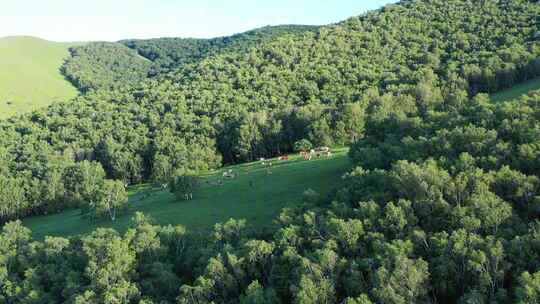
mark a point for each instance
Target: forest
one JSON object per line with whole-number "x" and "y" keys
{"x": 441, "y": 207}
{"x": 105, "y": 65}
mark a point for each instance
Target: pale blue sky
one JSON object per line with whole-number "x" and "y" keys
{"x": 77, "y": 20}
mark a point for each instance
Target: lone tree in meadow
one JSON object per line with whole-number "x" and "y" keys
{"x": 113, "y": 200}
{"x": 183, "y": 185}
{"x": 109, "y": 200}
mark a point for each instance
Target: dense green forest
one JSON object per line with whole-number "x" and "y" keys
{"x": 168, "y": 54}
{"x": 106, "y": 65}
{"x": 442, "y": 206}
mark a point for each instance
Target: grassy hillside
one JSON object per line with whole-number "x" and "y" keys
{"x": 517, "y": 90}
{"x": 259, "y": 204}
{"x": 30, "y": 74}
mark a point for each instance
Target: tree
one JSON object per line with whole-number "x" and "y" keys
{"x": 363, "y": 299}
{"x": 12, "y": 198}
{"x": 351, "y": 121}
{"x": 112, "y": 200}
{"x": 108, "y": 268}
{"x": 310, "y": 292}
{"x": 183, "y": 186}
{"x": 256, "y": 294}
{"x": 83, "y": 181}
{"x": 406, "y": 282}
{"x": 528, "y": 291}
{"x": 14, "y": 250}
{"x": 303, "y": 145}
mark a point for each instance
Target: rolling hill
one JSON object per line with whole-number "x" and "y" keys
{"x": 30, "y": 75}
{"x": 113, "y": 65}
{"x": 440, "y": 206}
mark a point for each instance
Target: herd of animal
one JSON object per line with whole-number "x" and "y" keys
{"x": 267, "y": 163}
{"x": 318, "y": 152}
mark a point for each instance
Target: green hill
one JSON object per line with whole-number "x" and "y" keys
{"x": 113, "y": 65}
{"x": 30, "y": 74}
{"x": 272, "y": 190}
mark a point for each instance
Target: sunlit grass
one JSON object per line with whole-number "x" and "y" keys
{"x": 256, "y": 195}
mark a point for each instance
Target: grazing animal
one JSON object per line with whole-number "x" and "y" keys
{"x": 307, "y": 155}
{"x": 229, "y": 174}
{"x": 284, "y": 157}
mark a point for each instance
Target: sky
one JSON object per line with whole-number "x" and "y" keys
{"x": 112, "y": 20}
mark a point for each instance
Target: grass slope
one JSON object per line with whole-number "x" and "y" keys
{"x": 212, "y": 204}
{"x": 30, "y": 74}
{"x": 517, "y": 90}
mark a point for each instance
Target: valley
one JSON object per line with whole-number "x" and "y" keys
{"x": 183, "y": 170}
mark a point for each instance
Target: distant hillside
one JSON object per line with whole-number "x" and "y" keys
{"x": 171, "y": 53}
{"x": 30, "y": 74}
{"x": 105, "y": 65}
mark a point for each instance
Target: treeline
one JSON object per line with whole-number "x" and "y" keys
{"x": 169, "y": 54}
{"x": 442, "y": 208}
{"x": 238, "y": 106}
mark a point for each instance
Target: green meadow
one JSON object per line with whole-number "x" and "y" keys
{"x": 517, "y": 90}
{"x": 258, "y": 193}
{"x": 30, "y": 74}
